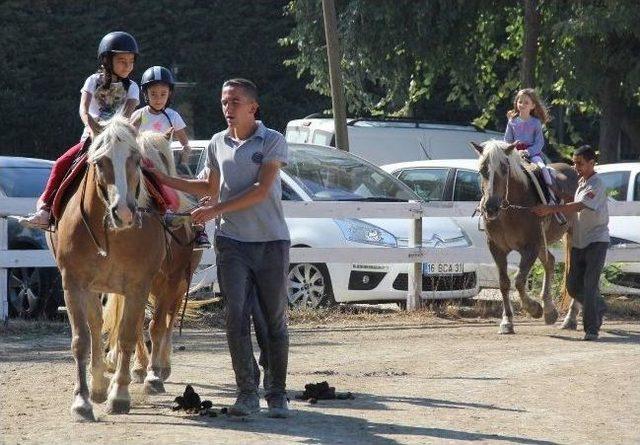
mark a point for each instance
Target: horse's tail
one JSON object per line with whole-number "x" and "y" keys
{"x": 111, "y": 316}
{"x": 565, "y": 301}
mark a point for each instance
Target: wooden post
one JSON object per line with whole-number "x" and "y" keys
{"x": 414, "y": 295}
{"x": 335, "y": 74}
{"x": 4, "y": 295}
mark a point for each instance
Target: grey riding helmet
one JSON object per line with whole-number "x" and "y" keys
{"x": 157, "y": 74}
{"x": 117, "y": 42}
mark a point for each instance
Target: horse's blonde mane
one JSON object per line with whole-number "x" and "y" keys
{"x": 118, "y": 129}
{"x": 157, "y": 148}
{"x": 494, "y": 155}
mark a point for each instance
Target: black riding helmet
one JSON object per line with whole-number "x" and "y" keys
{"x": 117, "y": 42}
{"x": 157, "y": 74}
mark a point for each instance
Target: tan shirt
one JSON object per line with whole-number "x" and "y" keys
{"x": 592, "y": 222}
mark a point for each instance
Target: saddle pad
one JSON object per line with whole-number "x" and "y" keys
{"x": 77, "y": 170}
{"x": 536, "y": 184}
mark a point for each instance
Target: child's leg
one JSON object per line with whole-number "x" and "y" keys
{"x": 543, "y": 167}
{"x": 58, "y": 172}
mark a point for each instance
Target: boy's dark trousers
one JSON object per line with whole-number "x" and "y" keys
{"x": 245, "y": 268}
{"x": 583, "y": 283}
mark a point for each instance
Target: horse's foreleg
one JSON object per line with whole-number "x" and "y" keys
{"x": 500, "y": 258}
{"x": 75, "y": 301}
{"x": 548, "y": 306}
{"x": 571, "y": 319}
{"x": 119, "y": 400}
{"x": 153, "y": 382}
{"x": 99, "y": 382}
{"x": 527, "y": 259}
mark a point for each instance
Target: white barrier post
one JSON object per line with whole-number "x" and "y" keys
{"x": 414, "y": 295}
{"x": 4, "y": 294}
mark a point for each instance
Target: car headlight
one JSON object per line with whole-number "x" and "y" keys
{"x": 362, "y": 232}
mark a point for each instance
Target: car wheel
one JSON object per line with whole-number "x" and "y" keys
{"x": 309, "y": 286}
{"x": 26, "y": 291}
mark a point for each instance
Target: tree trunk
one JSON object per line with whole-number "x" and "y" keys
{"x": 612, "y": 108}
{"x": 631, "y": 127}
{"x": 530, "y": 44}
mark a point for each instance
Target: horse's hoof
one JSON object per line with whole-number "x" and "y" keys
{"x": 154, "y": 386}
{"x": 506, "y": 328}
{"x": 98, "y": 396}
{"x": 535, "y": 309}
{"x": 138, "y": 375}
{"x": 82, "y": 411}
{"x": 571, "y": 325}
{"x": 118, "y": 406}
{"x": 551, "y": 317}
{"x": 164, "y": 373}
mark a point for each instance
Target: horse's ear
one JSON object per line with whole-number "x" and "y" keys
{"x": 510, "y": 148}
{"x": 168, "y": 135}
{"x": 477, "y": 147}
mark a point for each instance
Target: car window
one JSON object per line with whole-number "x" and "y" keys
{"x": 23, "y": 182}
{"x": 428, "y": 183}
{"x": 333, "y": 175}
{"x": 616, "y": 184}
{"x": 467, "y": 186}
{"x": 636, "y": 188}
{"x": 322, "y": 137}
{"x": 297, "y": 134}
{"x": 288, "y": 194}
{"x": 192, "y": 163}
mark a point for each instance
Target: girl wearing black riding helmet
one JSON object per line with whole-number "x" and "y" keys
{"x": 157, "y": 89}
{"x": 103, "y": 95}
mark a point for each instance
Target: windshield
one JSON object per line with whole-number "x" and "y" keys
{"x": 23, "y": 182}
{"x": 331, "y": 175}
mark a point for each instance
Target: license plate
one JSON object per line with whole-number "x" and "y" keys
{"x": 442, "y": 268}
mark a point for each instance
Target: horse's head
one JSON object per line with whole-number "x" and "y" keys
{"x": 116, "y": 157}
{"x": 498, "y": 163}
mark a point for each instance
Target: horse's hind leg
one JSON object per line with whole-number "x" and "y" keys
{"x": 119, "y": 400}
{"x": 75, "y": 301}
{"x": 571, "y": 320}
{"x": 153, "y": 382}
{"x": 500, "y": 258}
{"x": 548, "y": 306}
{"x": 527, "y": 258}
{"x": 141, "y": 359}
{"x": 99, "y": 382}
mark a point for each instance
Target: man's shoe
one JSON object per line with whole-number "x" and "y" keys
{"x": 37, "y": 220}
{"x": 246, "y": 404}
{"x": 201, "y": 241}
{"x": 278, "y": 406}
{"x": 590, "y": 336}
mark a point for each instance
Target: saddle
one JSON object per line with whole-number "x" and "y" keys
{"x": 534, "y": 173}
{"x": 163, "y": 197}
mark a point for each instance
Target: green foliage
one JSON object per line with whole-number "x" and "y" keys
{"x": 49, "y": 48}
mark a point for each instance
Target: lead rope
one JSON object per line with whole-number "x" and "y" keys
{"x": 102, "y": 252}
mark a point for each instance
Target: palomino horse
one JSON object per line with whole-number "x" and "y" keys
{"x": 104, "y": 244}
{"x": 168, "y": 288}
{"x": 507, "y": 197}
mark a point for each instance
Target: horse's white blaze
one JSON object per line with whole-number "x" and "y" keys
{"x": 119, "y": 160}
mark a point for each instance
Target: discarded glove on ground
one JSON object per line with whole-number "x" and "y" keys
{"x": 322, "y": 391}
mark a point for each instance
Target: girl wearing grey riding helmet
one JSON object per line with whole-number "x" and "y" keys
{"x": 157, "y": 89}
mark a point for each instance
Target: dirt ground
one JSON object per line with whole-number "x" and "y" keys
{"x": 436, "y": 381}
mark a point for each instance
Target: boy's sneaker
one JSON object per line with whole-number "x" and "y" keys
{"x": 201, "y": 241}
{"x": 590, "y": 336}
{"x": 37, "y": 220}
{"x": 246, "y": 404}
{"x": 278, "y": 406}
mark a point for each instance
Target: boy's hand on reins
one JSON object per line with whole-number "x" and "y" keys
{"x": 203, "y": 214}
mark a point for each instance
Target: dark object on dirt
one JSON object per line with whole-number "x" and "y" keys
{"x": 191, "y": 403}
{"x": 224, "y": 410}
{"x": 181, "y": 348}
{"x": 322, "y": 391}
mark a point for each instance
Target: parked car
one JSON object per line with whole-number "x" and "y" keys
{"x": 385, "y": 140}
{"x": 320, "y": 173}
{"x": 32, "y": 291}
{"x": 459, "y": 180}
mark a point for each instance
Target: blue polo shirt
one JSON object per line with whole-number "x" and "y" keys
{"x": 238, "y": 163}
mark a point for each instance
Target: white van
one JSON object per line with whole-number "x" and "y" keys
{"x": 388, "y": 141}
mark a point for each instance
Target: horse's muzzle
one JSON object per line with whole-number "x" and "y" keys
{"x": 122, "y": 216}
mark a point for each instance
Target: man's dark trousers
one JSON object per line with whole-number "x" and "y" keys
{"x": 265, "y": 266}
{"x": 583, "y": 283}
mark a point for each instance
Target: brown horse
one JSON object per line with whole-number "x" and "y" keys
{"x": 104, "y": 244}
{"x": 168, "y": 288}
{"x": 507, "y": 197}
